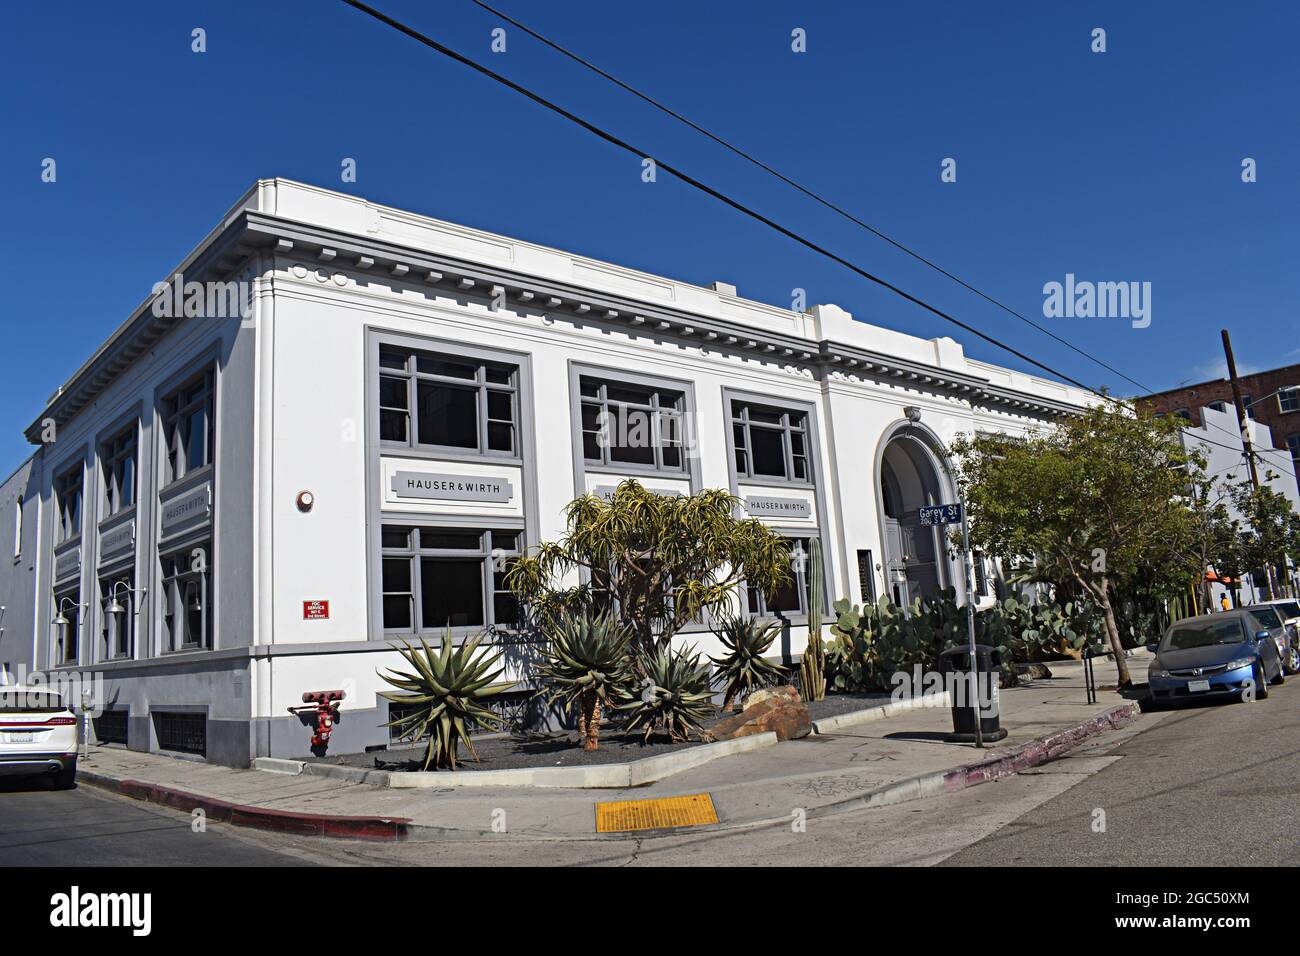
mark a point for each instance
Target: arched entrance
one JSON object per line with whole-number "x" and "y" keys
{"x": 912, "y": 475}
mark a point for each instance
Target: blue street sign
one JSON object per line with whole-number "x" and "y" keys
{"x": 941, "y": 514}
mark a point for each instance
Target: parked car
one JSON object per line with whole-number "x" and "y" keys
{"x": 1289, "y": 610}
{"x": 38, "y": 735}
{"x": 1227, "y": 655}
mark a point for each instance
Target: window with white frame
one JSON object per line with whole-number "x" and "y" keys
{"x": 117, "y": 464}
{"x": 625, "y": 425}
{"x": 187, "y": 598}
{"x": 436, "y": 577}
{"x": 445, "y": 402}
{"x": 770, "y": 442}
{"x": 67, "y": 503}
{"x": 188, "y": 428}
{"x": 18, "y": 528}
{"x": 1288, "y": 399}
{"x": 117, "y": 627}
{"x": 795, "y": 596}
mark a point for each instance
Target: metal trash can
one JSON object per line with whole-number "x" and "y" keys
{"x": 956, "y": 661}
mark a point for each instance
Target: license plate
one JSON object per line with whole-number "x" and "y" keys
{"x": 1197, "y": 686}
{"x": 26, "y": 738}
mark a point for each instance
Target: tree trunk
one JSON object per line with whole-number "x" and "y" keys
{"x": 727, "y": 705}
{"x": 591, "y": 733}
{"x": 1112, "y": 632}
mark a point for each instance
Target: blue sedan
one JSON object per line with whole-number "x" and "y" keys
{"x": 1228, "y": 655}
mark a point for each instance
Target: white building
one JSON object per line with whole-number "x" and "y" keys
{"x": 274, "y": 498}
{"x": 1218, "y": 439}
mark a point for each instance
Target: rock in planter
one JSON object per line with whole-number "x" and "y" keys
{"x": 779, "y": 692}
{"x": 1034, "y": 671}
{"x": 788, "y": 719}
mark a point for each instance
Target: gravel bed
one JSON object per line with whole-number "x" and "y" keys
{"x": 836, "y": 704}
{"x": 520, "y": 752}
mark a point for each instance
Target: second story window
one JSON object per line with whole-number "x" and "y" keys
{"x": 770, "y": 442}
{"x": 433, "y": 401}
{"x": 188, "y": 428}
{"x": 118, "y": 466}
{"x": 632, "y": 425}
{"x": 67, "y": 504}
{"x": 1288, "y": 399}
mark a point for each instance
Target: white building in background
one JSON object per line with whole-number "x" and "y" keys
{"x": 235, "y": 510}
{"x": 1218, "y": 439}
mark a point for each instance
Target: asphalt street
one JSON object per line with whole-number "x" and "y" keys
{"x": 1204, "y": 786}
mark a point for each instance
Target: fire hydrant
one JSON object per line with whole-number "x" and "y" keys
{"x": 325, "y": 705}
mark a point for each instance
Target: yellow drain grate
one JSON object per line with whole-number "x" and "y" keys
{"x": 688, "y": 811}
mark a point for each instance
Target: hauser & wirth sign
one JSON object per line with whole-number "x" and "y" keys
{"x": 419, "y": 484}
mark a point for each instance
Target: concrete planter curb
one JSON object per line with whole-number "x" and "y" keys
{"x": 634, "y": 773}
{"x": 829, "y": 725}
{"x": 259, "y": 818}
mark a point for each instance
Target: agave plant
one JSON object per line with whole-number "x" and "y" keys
{"x": 588, "y": 666}
{"x": 743, "y": 667}
{"x": 676, "y": 696}
{"x": 444, "y": 696}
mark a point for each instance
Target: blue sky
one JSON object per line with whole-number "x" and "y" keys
{"x": 1122, "y": 166}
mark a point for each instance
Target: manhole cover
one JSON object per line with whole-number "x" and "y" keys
{"x": 689, "y": 811}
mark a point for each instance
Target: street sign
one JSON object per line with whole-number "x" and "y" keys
{"x": 941, "y": 514}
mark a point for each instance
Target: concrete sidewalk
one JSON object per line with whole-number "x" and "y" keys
{"x": 874, "y": 763}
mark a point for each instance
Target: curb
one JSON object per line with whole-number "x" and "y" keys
{"x": 839, "y": 721}
{"x": 618, "y": 776}
{"x": 259, "y": 818}
{"x": 969, "y": 775}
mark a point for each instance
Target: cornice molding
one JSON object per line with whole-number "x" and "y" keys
{"x": 252, "y": 231}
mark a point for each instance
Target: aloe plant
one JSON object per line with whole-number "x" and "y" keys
{"x": 588, "y": 666}
{"x": 743, "y": 667}
{"x": 676, "y": 697}
{"x": 444, "y": 696}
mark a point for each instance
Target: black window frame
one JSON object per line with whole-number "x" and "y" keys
{"x": 115, "y": 453}
{"x": 177, "y": 575}
{"x": 480, "y": 385}
{"x": 493, "y": 559}
{"x": 117, "y": 631}
{"x": 742, "y": 426}
{"x": 655, "y": 410}
{"x": 176, "y": 408}
{"x": 69, "y": 496}
{"x": 756, "y": 602}
{"x": 67, "y": 601}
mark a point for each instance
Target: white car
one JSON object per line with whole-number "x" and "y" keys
{"x": 38, "y": 735}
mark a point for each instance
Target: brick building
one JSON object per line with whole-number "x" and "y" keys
{"x": 1272, "y": 399}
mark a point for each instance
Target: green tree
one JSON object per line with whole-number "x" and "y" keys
{"x": 1271, "y": 531}
{"x": 658, "y": 561}
{"x": 1090, "y": 501}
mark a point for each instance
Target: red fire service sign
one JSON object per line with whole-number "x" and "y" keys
{"x": 315, "y": 610}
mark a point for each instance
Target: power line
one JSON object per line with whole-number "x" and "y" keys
{"x": 803, "y": 189}
{"x": 710, "y": 191}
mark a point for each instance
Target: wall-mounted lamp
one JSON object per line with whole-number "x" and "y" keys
{"x": 305, "y": 500}
{"x": 114, "y": 606}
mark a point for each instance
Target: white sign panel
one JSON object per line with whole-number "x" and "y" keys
{"x": 764, "y": 506}
{"x": 419, "y": 484}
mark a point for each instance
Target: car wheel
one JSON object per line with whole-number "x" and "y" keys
{"x": 1280, "y": 679}
{"x": 1293, "y": 660}
{"x": 1261, "y": 685}
{"x": 66, "y": 778}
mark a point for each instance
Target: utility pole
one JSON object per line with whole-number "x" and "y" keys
{"x": 1244, "y": 423}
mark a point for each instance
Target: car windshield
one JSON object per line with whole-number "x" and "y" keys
{"x": 1203, "y": 634}
{"x": 1267, "y": 616}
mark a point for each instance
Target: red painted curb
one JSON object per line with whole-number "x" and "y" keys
{"x": 1040, "y": 751}
{"x": 259, "y": 818}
